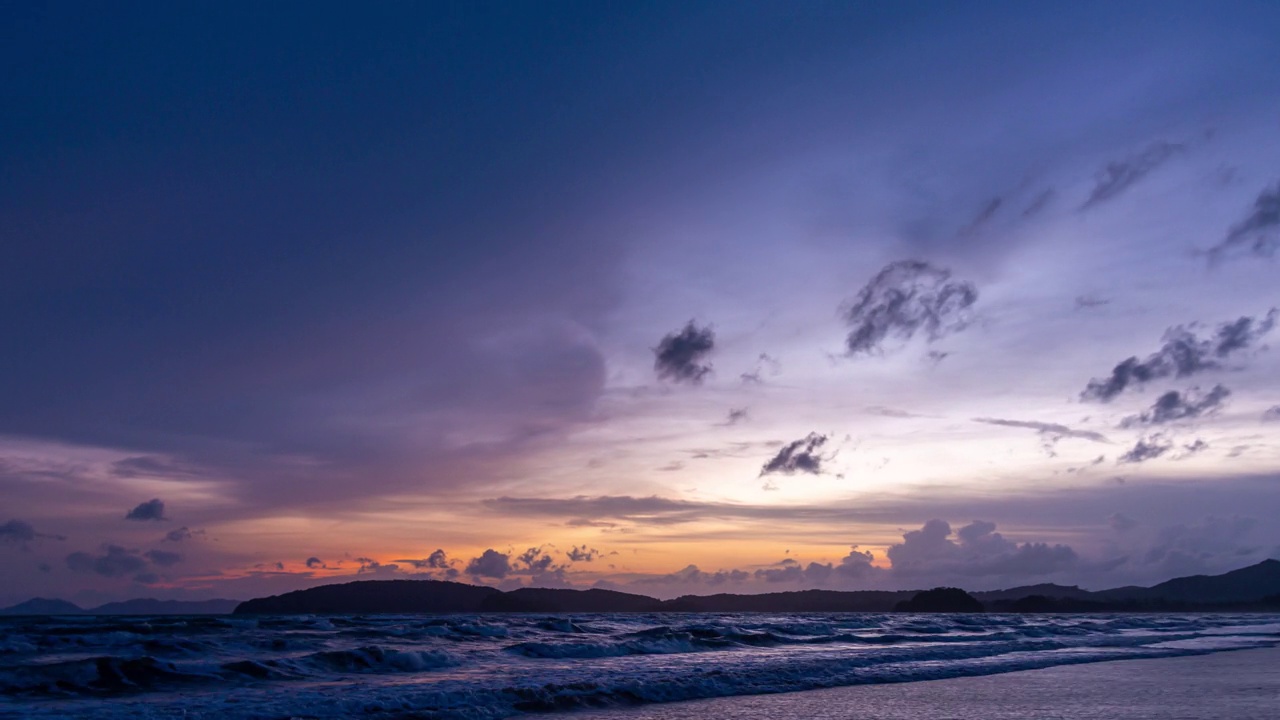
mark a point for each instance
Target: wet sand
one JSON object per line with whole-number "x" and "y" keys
{"x": 1234, "y": 685}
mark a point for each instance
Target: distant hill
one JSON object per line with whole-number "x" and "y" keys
{"x": 1250, "y": 583}
{"x": 1044, "y": 589}
{"x": 796, "y": 601}
{"x": 1239, "y": 589}
{"x": 941, "y": 600}
{"x": 42, "y": 606}
{"x": 149, "y": 606}
{"x": 375, "y": 596}
{"x": 1256, "y": 587}
{"x": 141, "y": 606}
{"x": 573, "y": 601}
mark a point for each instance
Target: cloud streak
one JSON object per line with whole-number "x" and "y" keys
{"x": 1120, "y": 175}
{"x": 1252, "y": 235}
{"x": 1052, "y": 431}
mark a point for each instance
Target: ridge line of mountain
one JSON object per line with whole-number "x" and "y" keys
{"x": 1253, "y": 587}
{"x": 1256, "y": 587}
{"x": 136, "y": 606}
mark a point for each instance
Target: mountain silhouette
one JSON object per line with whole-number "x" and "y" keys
{"x": 139, "y": 606}
{"x": 1244, "y": 589}
{"x": 1256, "y": 587}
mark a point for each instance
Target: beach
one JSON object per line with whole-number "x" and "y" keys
{"x": 1233, "y": 685}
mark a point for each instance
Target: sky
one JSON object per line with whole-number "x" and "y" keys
{"x": 664, "y": 297}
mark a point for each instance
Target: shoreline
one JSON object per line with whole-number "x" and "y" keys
{"x": 1224, "y": 685}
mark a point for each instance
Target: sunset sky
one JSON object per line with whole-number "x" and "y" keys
{"x": 664, "y": 297}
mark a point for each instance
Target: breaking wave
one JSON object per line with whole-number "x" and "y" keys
{"x": 492, "y": 667}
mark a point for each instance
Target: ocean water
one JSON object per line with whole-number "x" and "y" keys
{"x": 494, "y": 666}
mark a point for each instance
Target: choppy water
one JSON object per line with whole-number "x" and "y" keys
{"x": 458, "y": 666}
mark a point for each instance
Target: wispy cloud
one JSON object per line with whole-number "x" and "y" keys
{"x": 1183, "y": 353}
{"x": 1147, "y": 448}
{"x": 679, "y": 356}
{"x": 1174, "y": 406}
{"x": 799, "y": 456}
{"x": 903, "y": 299}
{"x": 1053, "y": 430}
{"x": 1255, "y": 233}
{"x": 1120, "y": 175}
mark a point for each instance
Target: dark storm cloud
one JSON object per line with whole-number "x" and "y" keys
{"x": 115, "y": 561}
{"x": 21, "y": 532}
{"x": 978, "y": 550}
{"x": 152, "y": 509}
{"x": 490, "y": 564}
{"x": 1174, "y": 406}
{"x": 17, "y": 531}
{"x": 314, "y": 562}
{"x": 582, "y": 554}
{"x": 1051, "y": 430}
{"x": 903, "y": 299}
{"x": 1147, "y": 448}
{"x": 1255, "y": 234}
{"x": 163, "y": 558}
{"x": 1271, "y": 414}
{"x": 799, "y": 456}
{"x": 679, "y": 355}
{"x": 1183, "y": 353}
{"x": 1120, "y": 175}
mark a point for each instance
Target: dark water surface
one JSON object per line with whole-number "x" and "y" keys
{"x": 492, "y": 666}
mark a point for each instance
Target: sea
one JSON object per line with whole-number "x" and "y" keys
{"x": 497, "y": 666}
